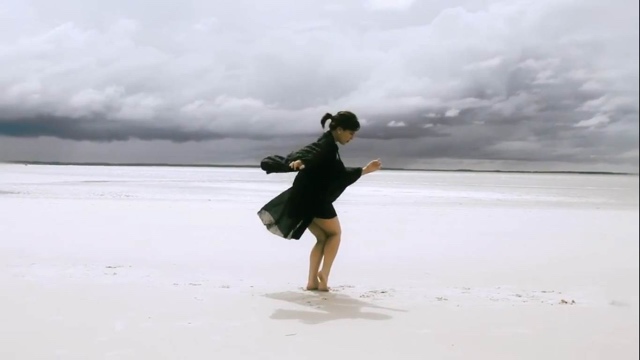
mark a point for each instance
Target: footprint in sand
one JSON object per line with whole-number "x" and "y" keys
{"x": 374, "y": 294}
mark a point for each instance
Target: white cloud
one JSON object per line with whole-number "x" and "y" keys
{"x": 609, "y": 103}
{"x": 522, "y": 103}
{"x": 484, "y": 64}
{"x": 206, "y": 24}
{"x": 394, "y": 123}
{"x": 390, "y": 4}
{"x": 595, "y": 121}
{"x": 139, "y": 106}
{"x": 91, "y": 101}
{"x": 452, "y": 113}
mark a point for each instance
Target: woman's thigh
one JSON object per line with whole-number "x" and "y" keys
{"x": 330, "y": 227}
{"x": 317, "y": 231}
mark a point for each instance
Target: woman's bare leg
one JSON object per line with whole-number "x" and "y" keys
{"x": 331, "y": 228}
{"x": 315, "y": 258}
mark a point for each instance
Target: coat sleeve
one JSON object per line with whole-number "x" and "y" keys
{"x": 275, "y": 164}
{"x": 351, "y": 175}
{"x": 310, "y": 155}
{"x": 346, "y": 179}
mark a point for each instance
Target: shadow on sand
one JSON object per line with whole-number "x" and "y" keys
{"x": 327, "y": 307}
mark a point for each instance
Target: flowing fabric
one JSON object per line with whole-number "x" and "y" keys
{"x": 323, "y": 179}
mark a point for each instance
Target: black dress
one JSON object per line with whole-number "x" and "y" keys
{"x": 315, "y": 188}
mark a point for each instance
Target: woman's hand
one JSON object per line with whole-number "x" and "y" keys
{"x": 297, "y": 165}
{"x": 372, "y": 166}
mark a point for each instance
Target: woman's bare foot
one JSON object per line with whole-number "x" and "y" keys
{"x": 322, "y": 282}
{"x": 313, "y": 284}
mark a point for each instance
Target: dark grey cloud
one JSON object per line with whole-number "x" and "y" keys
{"x": 98, "y": 130}
{"x": 548, "y": 81}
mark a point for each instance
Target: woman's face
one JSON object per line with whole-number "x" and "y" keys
{"x": 344, "y": 136}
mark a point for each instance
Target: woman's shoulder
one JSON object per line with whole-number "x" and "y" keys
{"x": 323, "y": 144}
{"x": 321, "y": 148}
{"x": 326, "y": 140}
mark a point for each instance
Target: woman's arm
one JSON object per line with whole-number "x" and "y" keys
{"x": 372, "y": 166}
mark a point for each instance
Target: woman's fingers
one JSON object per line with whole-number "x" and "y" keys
{"x": 296, "y": 165}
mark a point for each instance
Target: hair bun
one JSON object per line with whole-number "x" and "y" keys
{"x": 324, "y": 119}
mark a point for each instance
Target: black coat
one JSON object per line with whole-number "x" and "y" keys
{"x": 323, "y": 179}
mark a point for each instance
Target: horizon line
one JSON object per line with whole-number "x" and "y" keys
{"x": 93, "y": 163}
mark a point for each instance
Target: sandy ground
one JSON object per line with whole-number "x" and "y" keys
{"x": 172, "y": 263}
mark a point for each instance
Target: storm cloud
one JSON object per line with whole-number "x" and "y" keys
{"x": 537, "y": 82}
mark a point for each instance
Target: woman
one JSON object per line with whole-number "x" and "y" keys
{"x": 308, "y": 203}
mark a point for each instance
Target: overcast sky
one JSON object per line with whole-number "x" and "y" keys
{"x": 539, "y": 84}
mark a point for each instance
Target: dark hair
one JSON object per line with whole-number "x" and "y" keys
{"x": 343, "y": 119}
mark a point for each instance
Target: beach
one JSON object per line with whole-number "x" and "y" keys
{"x": 117, "y": 262}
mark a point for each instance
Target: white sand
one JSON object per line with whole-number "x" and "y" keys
{"x": 172, "y": 263}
